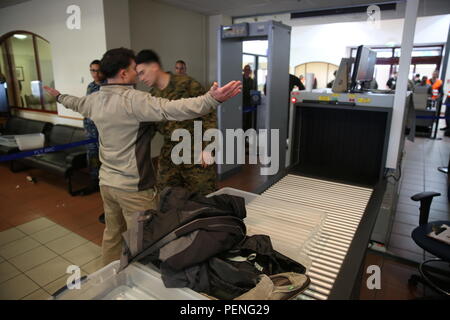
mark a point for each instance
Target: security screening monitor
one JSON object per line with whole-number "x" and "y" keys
{"x": 363, "y": 68}
{"x": 354, "y": 74}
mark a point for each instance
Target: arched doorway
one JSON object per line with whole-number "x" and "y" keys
{"x": 26, "y": 63}
{"x": 323, "y": 71}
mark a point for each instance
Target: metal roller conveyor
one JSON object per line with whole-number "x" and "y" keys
{"x": 344, "y": 206}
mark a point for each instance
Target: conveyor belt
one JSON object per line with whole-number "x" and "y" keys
{"x": 344, "y": 206}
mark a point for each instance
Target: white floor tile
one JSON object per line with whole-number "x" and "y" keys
{"x": 10, "y": 235}
{"x": 17, "y": 288}
{"x": 18, "y": 247}
{"x": 50, "y": 234}
{"x": 32, "y": 258}
{"x": 49, "y": 271}
{"x": 66, "y": 243}
{"x": 35, "y": 225}
{"x": 83, "y": 254}
{"x": 7, "y": 271}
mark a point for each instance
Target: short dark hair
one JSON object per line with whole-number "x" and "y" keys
{"x": 96, "y": 61}
{"x": 147, "y": 56}
{"x": 180, "y": 61}
{"x": 116, "y": 59}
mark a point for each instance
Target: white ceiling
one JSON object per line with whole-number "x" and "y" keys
{"x": 243, "y": 8}
{"x": 7, "y": 3}
{"x": 239, "y": 8}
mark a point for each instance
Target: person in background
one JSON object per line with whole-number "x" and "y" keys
{"x": 330, "y": 84}
{"x": 180, "y": 67}
{"x": 416, "y": 79}
{"x": 295, "y": 82}
{"x": 248, "y": 84}
{"x": 92, "y": 132}
{"x": 423, "y": 81}
{"x": 447, "y": 114}
{"x": 437, "y": 88}
{"x": 199, "y": 178}
{"x": 391, "y": 83}
{"x": 301, "y": 77}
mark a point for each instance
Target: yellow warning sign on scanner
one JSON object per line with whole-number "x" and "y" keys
{"x": 324, "y": 98}
{"x": 364, "y": 100}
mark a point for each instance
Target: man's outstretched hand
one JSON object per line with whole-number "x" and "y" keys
{"x": 51, "y": 91}
{"x": 226, "y": 92}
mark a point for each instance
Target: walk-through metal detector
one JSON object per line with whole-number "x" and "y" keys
{"x": 275, "y": 103}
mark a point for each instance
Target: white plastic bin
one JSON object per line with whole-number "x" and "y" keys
{"x": 292, "y": 228}
{"x": 135, "y": 282}
{"x": 30, "y": 141}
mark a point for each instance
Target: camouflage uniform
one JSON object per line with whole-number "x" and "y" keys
{"x": 92, "y": 133}
{"x": 190, "y": 176}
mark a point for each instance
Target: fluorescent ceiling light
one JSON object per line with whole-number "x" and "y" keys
{"x": 20, "y": 36}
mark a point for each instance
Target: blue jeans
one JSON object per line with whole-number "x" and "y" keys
{"x": 92, "y": 148}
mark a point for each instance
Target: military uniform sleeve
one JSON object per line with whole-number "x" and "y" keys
{"x": 148, "y": 108}
{"x": 81, "y": 105}
{"x": 196, "y": 89}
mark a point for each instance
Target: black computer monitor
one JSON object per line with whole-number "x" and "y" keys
{"x": 364, "y": 66}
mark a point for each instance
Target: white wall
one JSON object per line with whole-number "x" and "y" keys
{"x": 172, "y": 32}
{"x": 72, "y": 50}
{"x": 329, "y": 42}
{"x": 117, "y": 23}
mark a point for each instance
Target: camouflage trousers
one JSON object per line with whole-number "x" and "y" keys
{"x": 193, "y": 177}
{"x": 92, "y": 148}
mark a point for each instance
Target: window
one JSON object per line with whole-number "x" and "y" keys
{"x": 27, "y": 65}
{"x": 425, "y": 59}
{"x": 323, "y": 72}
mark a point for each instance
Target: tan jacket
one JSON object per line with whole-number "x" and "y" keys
{"x": 124, "y": 117}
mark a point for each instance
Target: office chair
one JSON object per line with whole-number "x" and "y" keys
{"x": 437, "y": 248}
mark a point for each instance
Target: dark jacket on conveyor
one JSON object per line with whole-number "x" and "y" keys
{"x": 234, "y": 272}
{"x": 188, "y": 228}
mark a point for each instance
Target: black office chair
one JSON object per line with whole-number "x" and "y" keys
{"x": 437, "y": 248}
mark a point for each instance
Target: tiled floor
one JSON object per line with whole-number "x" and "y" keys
{"x": 419, "y": 173}
{"x": 34, "y": 257}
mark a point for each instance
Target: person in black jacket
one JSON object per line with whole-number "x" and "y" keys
{"x": 294, "y": 81}
{"x": 391, "y": 83}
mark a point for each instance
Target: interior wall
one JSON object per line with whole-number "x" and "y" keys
{"x": 117, "y": 23}
{"x": 172, "y": 32}
{"x": 72, "y": 50}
